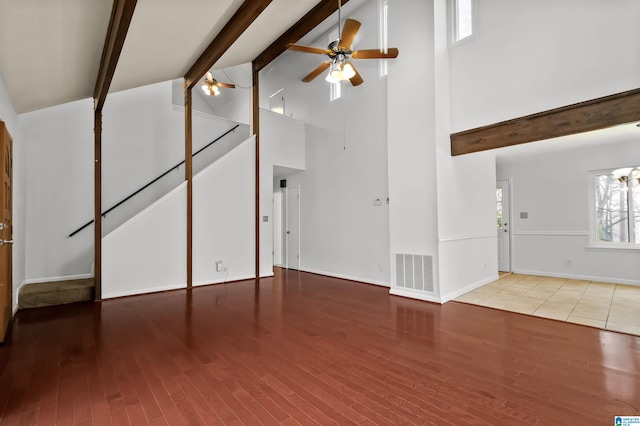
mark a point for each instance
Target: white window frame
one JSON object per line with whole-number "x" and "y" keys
{"x": 454, "y": 23}
{"x": 594, "y": 243}
{"x": 383, "y": 36}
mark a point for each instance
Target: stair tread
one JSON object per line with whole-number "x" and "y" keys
{"x": 56, "y": 293}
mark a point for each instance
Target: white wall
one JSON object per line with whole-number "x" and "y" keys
{"x": 342, "y": 233}
{"x": 149, "y": 252}
{"x": 530, "y": 56}
{"x": 411, "y": 132}
{"x": 59, "y": 190}
{"x": 223, "y": 217}
{"x": 10, "y": 117}
{"x": 553, "y": 189}
{"x": 282, "y": 144}
{"x": 233, "y": 104}
{"x": 466, "y": 192}
{"x": 143, "y": 136}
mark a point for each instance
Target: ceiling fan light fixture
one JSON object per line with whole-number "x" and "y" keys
{"x": 210, "y": 90}
{"x": 340, "y": 71}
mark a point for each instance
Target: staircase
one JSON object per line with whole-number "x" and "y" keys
{"x": 37, "y": 295}
{"x": 42, "y": 294}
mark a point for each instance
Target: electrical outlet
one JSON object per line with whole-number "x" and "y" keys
{"x": 219, "y": 267}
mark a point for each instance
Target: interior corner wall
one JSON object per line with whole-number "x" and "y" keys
{"x": 466, "y": 184}
{"x": 11, "y": 119}
{"x": 413, "y": 213}
{"x": 553, "y": 190}
{"x": 529, "y": 56}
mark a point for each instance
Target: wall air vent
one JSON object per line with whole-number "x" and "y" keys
{"x": 414, "y": 272}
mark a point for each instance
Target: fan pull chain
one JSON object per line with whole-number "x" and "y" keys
{"x": 344, "y": 120}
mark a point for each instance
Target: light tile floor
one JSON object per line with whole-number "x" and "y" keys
{"x": 603, "y": 305}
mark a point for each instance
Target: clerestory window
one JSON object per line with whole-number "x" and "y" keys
{"x": 462, "y": 19}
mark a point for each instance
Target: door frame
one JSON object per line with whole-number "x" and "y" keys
{"x": 278, "y": 223}
{"x": 6, "y": 232}
{"x": 286, "y": 226}
{"x": 509, "y": 221}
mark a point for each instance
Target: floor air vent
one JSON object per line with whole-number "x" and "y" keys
{"x": 414, "y": 271}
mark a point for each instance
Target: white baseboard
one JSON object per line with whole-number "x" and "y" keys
{"x": 143, "y": 291}
{"x": 346, "y": 277}
{"x": 577, "y": 277}
{"x": 468, "y": 288}
{"x": 56, "y": 279}
{"x": 413, "y": 294}
{"x": 225, "y": 280}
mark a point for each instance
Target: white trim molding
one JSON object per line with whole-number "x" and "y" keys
{"x": 144, "y": 291}
{"x": 466, "y": 237}
{"x": 553, "y": 233}
{"x": 414, "y": 294}
{"x": 346, "y": 277}
{"x": 56, "y": 279}
{"x": 613, "y": 248}
{"x": 578, "y": 277}
{"x": 228, "y": 280}
{"x": 448, "y": 297}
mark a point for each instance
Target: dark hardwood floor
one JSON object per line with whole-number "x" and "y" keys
{"x": 306, "y": 349}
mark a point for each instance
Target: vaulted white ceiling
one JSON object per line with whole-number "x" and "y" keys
{"x": 50, "y": 49}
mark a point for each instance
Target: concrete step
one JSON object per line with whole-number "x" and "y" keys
{"x": 36, "y": 295}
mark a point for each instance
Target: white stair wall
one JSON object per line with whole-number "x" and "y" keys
{"x": 224, "y": 218}
{"x": 148, "y": 253}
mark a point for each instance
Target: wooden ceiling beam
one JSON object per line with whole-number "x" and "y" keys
{"x": 594, "y": 114}
{"x": 312, "y": 19}
{"x": 121, "y": 16}
{"x": 244, "y": 16}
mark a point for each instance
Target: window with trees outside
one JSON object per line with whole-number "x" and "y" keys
{"x": 617, "y": 208}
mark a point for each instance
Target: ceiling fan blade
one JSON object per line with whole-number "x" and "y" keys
{"x": 392, "y": 52}
{"x": 356, "y": 80}
{"x": 349, "y": 31}
{"x": 227, "y": 85}
{"x": 313, "y": 74}
{"x": 308, "y": 49}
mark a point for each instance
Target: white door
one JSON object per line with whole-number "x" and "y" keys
{"x": 292, "y": 228}
{"x": 277, "y": 228}
{"x": 504, "y": 221}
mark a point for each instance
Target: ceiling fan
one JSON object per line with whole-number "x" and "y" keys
{"x": 211, "y": 86}
{"x": 339, "y": 53}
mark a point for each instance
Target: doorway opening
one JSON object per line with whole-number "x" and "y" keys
{"x": 286, "y": 228}
{"x": 503, "y": 216}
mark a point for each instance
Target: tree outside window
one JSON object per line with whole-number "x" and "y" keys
{"x": 617, "y": 205}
